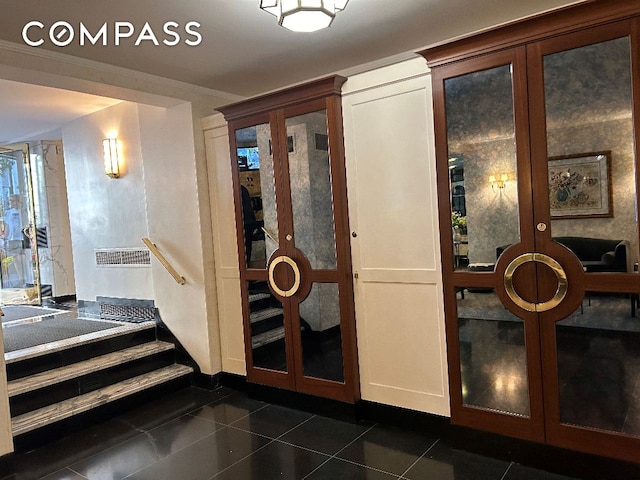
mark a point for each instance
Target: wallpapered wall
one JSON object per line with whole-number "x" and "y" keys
{"x": 588, "y": 100}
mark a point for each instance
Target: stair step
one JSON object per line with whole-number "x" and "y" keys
{"x": 267, "y": 337}
{"x": 69, "y": 372}
{"x": 83, "y": 403}
{"x": 265, "y": 314}
{"x": 254, "y": 297}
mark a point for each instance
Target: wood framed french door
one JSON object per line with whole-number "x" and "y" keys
{"x": 540, "y": 259}
{"x": 294, "y": 249}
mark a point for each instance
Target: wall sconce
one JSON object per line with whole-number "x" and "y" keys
{"x": 303, "y": 15}
{"x": 111, "y": 151}
{"x": 500, "y": 184}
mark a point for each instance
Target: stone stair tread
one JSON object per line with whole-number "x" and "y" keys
{"x": 254, "y": 297}
{"x": 69, "y": 372}
{"x": 267, "y": 337}
{"x": 83, "y": 403}
{"x": 265, "y": 313}
{"x": 119, "y": 329}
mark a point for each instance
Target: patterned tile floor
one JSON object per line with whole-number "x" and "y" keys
{"x": 223, "y": 434}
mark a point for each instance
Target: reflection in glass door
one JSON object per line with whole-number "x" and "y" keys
{"x": 293, "y": 237}
{"x": 497, "y": 382}
{"x": 542, "y": 306}
{"x": 314, "y": 241}
{"x": 19, "y": 274}
{"x": 592, "y": 373}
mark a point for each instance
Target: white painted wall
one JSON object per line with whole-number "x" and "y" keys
{"x": 156, "y": 197}
{"x": 391, "y": 181}
{"x": 106, "y": 212}
{"x": 173, "y": 220}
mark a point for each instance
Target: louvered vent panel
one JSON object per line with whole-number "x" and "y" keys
{"x": 127, "y": 313}
{"x": 123, "y": 257}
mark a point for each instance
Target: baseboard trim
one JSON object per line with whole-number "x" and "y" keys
{"x": 234, "y": 381}
{"x": 208, "y": 382}
{"x": 317, "y": 405}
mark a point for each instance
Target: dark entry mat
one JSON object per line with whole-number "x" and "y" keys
{"x": 20, "y": 312}
{"x": 49, "y": 330}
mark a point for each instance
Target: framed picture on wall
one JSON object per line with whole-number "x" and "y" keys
{"x": 580, "y": 185}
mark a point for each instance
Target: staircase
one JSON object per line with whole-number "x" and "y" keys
{"x": 267, "y": 328}
{"x": 58, "y": 389}
{"x": 266, "y": 317}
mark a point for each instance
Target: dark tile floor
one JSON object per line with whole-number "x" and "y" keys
{"x": 223, "y": 434}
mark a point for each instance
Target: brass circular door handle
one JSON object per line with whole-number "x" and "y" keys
{"x": 296, "y": 273}
{"x": 561, "y": 291}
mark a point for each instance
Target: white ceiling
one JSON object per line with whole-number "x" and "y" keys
{"x": 243, "y": 51}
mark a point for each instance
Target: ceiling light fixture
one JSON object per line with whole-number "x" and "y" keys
{"x": 303, "y": 15}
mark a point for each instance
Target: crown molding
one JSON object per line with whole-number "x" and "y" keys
{"x": 183, "y": 89}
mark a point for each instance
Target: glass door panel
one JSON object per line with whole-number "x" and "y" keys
{"x": 599, "y": 364}
{"x": 254, "y": 153}
{"x": 593, "y": 210}
{"x": 482, "y": 164}
{"x": 321, "y": 336}
{"x": 485, "y": 215}
{"x": 591, "y": 170}
{"x": 20, "y": 274}
{"x": 493, "y": 357}
{"x": 314, "y": 243}
{"x": 311, "y": 190}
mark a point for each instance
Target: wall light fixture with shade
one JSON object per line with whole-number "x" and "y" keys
{"x": 304, "y": 15}
{"x": 111, "y": 153}
{"x": 500, "y": 182}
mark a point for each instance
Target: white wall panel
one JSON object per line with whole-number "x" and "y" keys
{"x": 393, "y": 209}
{"x": 225, "y": 245}
{"x": 402, "y": 321}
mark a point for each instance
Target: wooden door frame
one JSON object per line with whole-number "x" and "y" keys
{"x": 559, "y": 434}
{"x": 530, "y": 428}
{"x": 585, "y": 22}
{"x": 254, "y": 374}
{"x": 322, "y": 94}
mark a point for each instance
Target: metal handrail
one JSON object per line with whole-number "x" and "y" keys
{"x": 165, "y": 263}
{"x": 270, "y": 235}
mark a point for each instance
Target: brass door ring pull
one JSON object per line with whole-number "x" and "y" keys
{"x": 561, "y": 291}
{"x": 296, "y": 272}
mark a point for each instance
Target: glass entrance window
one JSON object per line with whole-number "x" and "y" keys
{"x": 482, "y": 165}
{"x": 19, "y": 273}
